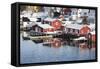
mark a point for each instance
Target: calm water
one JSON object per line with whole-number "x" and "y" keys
{"x": 53, "y": 50}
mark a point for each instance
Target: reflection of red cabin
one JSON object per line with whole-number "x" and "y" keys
{"x": 56, "y": 43}
{"x": 92, "y": 36}
{"x": 83, "y": 46}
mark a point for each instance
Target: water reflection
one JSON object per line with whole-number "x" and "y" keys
{"x": 55, "y": 49}
{"x": 58, "y": 42}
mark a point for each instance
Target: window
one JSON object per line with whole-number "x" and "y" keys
{"x": 85, "y": 13}
{"x": 73, "y": 30}
{"x": 78, "y": 31}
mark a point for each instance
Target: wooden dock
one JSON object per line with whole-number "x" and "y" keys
{"x": 40, "y": 37}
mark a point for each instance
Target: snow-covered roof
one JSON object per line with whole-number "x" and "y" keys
{"x": 33, "y": 15}
{"x": 31, "y": 24}
{"x": 33, "y": 19}
{"x": 92, "y": 26}
{"x": 93, "y": 32}
{"x": 79, "y": 20}
{"x": 25, "y": 14}
{"x": 45, "y": 26}
{"x": 49, "y": 19}
{"x": 74, "y": 26}
{"x": 39, "y": 14}
{"x": 66, "y": 22}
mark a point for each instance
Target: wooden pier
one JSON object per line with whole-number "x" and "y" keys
{"x": 40, "y": 37}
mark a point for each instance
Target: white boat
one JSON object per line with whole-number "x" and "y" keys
{"x": 80, "y": 38}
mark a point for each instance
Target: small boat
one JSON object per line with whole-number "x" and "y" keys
{"x": 25, "y": 36}
{"x": 80, "y": 38}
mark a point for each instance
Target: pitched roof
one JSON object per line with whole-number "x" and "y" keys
{"x": 49, "y": 19}
{"x": 92, "y": 26}
{"x": 44, "y": 26}
{"x": 39, "y": 14}
{"x": 74, "y": 26}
